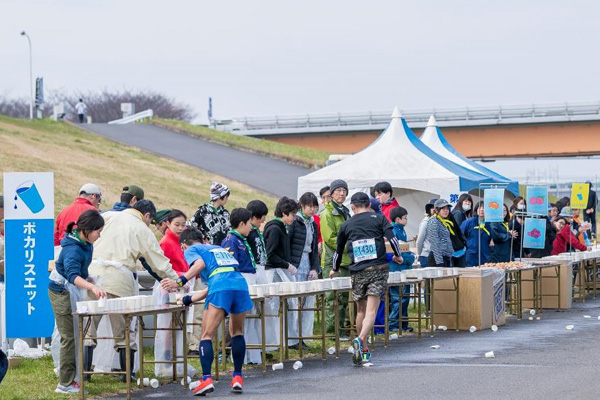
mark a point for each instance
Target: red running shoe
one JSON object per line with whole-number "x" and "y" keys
{"x": 236, "y": 384}
{"x": 205, "y": 386}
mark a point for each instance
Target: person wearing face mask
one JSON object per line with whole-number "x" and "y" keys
{"x": 462, "y": 209}
{"x": 517, "y": 211}
{"x": 479, "y": 237}
{"x": 502, "y": 237}
{"x": 565, "y": 239}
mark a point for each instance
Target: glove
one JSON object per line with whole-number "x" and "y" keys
{"x": 182, "y": 280}
{"x": 312, "y": 275}
{"x": 292, "y": 270}
{"x": 187, "y": 300}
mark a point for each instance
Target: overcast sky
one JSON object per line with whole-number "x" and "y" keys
{"x": 281, "y": 57}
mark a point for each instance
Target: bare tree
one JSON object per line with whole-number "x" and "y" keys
{"x": 102, "y": 106}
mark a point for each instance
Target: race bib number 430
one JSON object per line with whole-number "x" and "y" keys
{"x": 364, "y": 250}
{"x": 224, "y": 257}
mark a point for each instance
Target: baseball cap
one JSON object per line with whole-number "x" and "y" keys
{"x": 161, "y": 216}
{"x": 441, "y": 203}
{"x": 134, "y": 191}
{"x": 90, "y": 188}
{"x": 566, "y": 212}
{"x": 360, "y": 198}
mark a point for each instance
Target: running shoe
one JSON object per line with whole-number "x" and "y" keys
{"x": 236, "y": 384}
{"x": 205, "y": 386}
{"x": 366, "y": 356}
{"x": 73, "y": 388}
{"x": 358, "y": 349}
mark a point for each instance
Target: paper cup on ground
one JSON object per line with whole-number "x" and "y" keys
{"x": 393, "y": 336}
{"x": 494, "y": 328}
{"x": 297, "y": 365}
{"x": 570, "y": 327}
{"x": 532, "y": 312}
{"x": 183, "y": 381}
{"x": 472, "y": 329}
{"x": 489, "y": 354}
{"x": 351, "y": 350}
{"x": 154, "y": 383}
{"x": 587, "y": 316}
{"x": 435, "y": 346}
{"x": 331, "y": 350}
{"x": 277, "y": 367}
{"x": 442, "y": 327}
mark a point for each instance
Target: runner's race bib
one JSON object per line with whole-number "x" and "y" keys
{"x": 223, "y": 257}
{"x": 364, "y": 250}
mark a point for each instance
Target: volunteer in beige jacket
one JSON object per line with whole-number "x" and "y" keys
{"x": 125, "y": 239}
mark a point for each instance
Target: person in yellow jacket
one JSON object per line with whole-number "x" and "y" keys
{"x": 332, "y": 218}
{"x": 126, "y": 238}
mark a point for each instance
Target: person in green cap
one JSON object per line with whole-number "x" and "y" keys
{"x": 160, "y": 221}
{"x": 130, "y": 195}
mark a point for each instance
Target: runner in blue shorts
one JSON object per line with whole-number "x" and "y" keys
{"x": 227, "y": 294}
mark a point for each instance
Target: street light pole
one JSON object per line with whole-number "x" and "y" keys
{"x": 30, "y": 76}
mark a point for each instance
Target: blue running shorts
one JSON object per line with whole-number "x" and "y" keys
{"x": 230, "y": 301}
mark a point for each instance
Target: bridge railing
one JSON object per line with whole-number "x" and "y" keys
{"x": 469, "y": 115}
{"x": 148, "y": 114}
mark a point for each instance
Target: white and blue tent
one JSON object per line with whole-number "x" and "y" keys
{"x": 435, "y": 140}
{"x": 399, "y": 157}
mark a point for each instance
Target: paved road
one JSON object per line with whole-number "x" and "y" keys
{"x": 534, "y": 360}
{"x": 268, "y": 175}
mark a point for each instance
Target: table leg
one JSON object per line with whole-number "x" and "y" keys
{"x": 185, "y": 349}
{"x": 80, "y": 366}
{"x": 336, "y": 322}
{"x": 141, "y": 353}
{"x": 127, "y": 356}
{"x": 386, "y": 328}
{"x": 323, "y": 326}
{"x": 281, "y": 326}
{"x": 300, "y": 340}
{"x": 429, "y": 298}
{"x": 262, "y": 330}
{"x": 419, "y": 316}
{"x": 174, "y": 345}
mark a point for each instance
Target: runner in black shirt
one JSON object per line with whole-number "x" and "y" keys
{"x": 365, "y": 231}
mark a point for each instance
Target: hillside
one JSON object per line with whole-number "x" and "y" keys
{"x": 303, "y": 156}
{"x": 77, "y": 157}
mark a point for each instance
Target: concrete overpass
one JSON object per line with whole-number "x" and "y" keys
{"x": 535, "y": 130}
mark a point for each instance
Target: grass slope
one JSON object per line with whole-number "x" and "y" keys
{"x": 309, "y": 158}
{"x": 77, "y": 157}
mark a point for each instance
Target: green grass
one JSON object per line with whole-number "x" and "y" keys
{"x": 306, "y": 157}
{"x": 77, "y": 157}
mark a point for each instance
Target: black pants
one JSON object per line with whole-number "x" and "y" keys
{"x": 80, "y": 118}
{"x": 592, "y": 219}
{"x": 431, "y": 261}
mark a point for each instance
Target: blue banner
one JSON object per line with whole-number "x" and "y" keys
{"x": 29, "y": 239}
{"x": 537, "y": 200}
{"x": 535, "y": 233}
{"x": 28, "y": 250}
{"x": 493, "y": 200}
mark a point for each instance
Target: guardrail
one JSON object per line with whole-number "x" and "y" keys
{"x": 148, "y": 114}
{"x": 465, "y": 116}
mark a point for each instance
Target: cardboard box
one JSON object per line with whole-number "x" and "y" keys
{"x": 404, "y": 247}
{"x": 481, "y": 299}
{"x": 550, "y": 288}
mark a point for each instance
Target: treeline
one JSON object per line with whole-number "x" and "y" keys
{"x": 102, "y": 106}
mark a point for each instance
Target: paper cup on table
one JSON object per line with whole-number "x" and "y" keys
{"x": 154, "y": 383}
{"x": 172, "y": 297}
{"x": 93, "y": 306}
{"x": 277, "y": 367}
{"x": 102, "y": 302}
{"x": 82, "y": 307}
{"x": 297, "y": 365}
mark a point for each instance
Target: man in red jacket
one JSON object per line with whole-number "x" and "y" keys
{"x": 89, "y": 198}
{"x": 383, "y": 192}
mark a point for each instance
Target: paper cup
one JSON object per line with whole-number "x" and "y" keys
{"x": 277, "y": 367}
{"x": 489, "y": 354}
{"x": 184, "y": 381}
{"x": 154, "y": 383}
{"x": 494, "y": 328}
{"x": 93, "y": 306}
{"x": 472, "y": 329}
{"x": 435, "y": 346}
{"x": 570, "y": 327}
{"x": 331, "y": 350}
{"x": 351, "y": 350}
{"x": 102, "y": 302}
{"x": 393, "y": 336}
{"x": 297, "y": 365}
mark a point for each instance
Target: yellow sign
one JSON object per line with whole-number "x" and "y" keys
{"x": 579, "y": 196}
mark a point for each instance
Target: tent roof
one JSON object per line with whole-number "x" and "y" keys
{"x": 435, "y": 140}
{"x": 399, "y": 157}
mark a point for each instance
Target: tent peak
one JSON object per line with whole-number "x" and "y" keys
{"x": 432, "y": 121}
{"x": 396, "y": 113}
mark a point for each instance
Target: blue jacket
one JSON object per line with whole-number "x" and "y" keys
{"x": 407, "y": 256}
{"x": 73, "y": 261}
{"x": 472, "y": 230}
{"x": 237, "y": 248}
{"x": 502, "y": 238}
{"x": 119, "y": 206}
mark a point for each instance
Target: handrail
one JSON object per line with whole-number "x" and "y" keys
{"x": 484, "y": 115}
{"x": 134, "y": 118}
